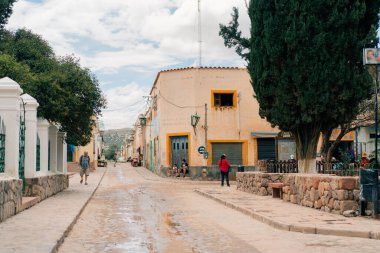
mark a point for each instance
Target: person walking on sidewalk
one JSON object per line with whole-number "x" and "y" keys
{"x": 115, "y": 160}
{"x": 224, "y": 167}
{"x": 84, "y": 162}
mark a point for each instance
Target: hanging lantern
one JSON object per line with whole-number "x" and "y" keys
{"x": 142, "y": 120}
{"x": 195, "y": 119}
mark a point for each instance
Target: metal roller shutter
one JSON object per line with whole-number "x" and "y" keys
{"x": 232, "y": 150}
{"x": 266, "y": 148}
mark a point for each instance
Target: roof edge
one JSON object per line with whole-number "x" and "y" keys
{"x": 190, "y": 68}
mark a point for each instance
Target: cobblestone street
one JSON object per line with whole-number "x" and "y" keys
{"x": 134, "y": 210}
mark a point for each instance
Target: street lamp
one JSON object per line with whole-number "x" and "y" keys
{"x": 371, "y": 56}
{"x": 194, "y": 119}
{"x": 142, "y": 120}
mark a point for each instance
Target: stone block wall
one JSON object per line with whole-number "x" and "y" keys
{"x": 213, "y": 172}
{"x": 325, "y": 192}
{"x": 46, "y": 186}
{"x": 10, "y": 197}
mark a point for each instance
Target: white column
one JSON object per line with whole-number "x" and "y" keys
{"x": 53, "y": 136}
{"x": 10, "y": 113}
{"x": 64, "y": 156}
{"x": 30, "y": 135}
{"x": 43, "y": 133}
{"x": 61, "y": 153}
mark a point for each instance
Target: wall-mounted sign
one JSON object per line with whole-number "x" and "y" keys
{"x": 373, "y": 136}
{"x": 201, "y": 149}
{"x": 371, "y": 56}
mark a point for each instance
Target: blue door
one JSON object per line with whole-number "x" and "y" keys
{"x": 179, "y": 149}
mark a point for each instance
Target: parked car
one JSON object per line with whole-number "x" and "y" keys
{"x": 121, "y": 160}
{"x": 102, "y": 162}
{"x": 135, "y": 161}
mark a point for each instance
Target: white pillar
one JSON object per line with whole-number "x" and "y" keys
{"x": 53, "y": 136}
{"x": 61, "y": 153}
{"x": 43, "y": 133}
{"x": 30, "y": 135}
{"x": 10, "y": 113}
{"x": 64, "y": 156}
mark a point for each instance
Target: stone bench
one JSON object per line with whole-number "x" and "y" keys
{"x": 277, "y": 189}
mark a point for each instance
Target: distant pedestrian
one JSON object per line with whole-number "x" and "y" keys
{"x": 115, "y": 160}
{"x": 84, "y": 162}
{"x": 224, "y": 167}
{"x": 364, "y": 162}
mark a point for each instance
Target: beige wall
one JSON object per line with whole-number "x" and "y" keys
{"x": 79, "y": 151}
{"x": 137, "y": 141}
{"x": 92, "y": 149}
{"x": 191, "y": 89}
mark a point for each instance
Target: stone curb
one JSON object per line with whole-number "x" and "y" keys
{"x": 291, "y": 227}
{"x": 70, "y": 227}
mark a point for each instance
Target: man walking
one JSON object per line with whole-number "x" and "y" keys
{"x": 84, "y": 162}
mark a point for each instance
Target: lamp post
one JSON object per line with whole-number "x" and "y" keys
{"x": 142, "y": 120}
{"x": 371, "y": 56}
{"x": 194, "y": 120}
{"x": 376, "y": 115}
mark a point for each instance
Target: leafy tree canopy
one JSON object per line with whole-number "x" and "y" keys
{"x": 5, "y": 12}
{"x": 68, "y": 94}
{"x": 305, "y": 63}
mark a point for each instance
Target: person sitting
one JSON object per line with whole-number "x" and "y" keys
{"x": 175, "y": 170}
{"x": 184, "y": 167}
{"x": 364, "y": 163}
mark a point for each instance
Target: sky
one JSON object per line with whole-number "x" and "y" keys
{"x": 127, "y": 42}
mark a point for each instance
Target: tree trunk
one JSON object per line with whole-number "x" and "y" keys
{"x": 335, "y": 144}
{"x": 307, "y": 138}
{"x": 325, "y": 142}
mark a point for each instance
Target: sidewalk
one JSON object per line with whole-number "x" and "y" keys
{"x": 43, "y": 227}
{"x": 291, "y": 217}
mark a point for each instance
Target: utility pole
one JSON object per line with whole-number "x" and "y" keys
{"x": 376, "y": 114}
{"x": 199, "y": 34}
{"x": 370, "y": 58}
{"x": 205, "y": 155}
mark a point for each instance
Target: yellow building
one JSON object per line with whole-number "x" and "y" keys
{"x": 234, "y": 127}
{"x": 93, "y": 149}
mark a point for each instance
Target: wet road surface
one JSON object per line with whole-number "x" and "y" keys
{"x": 136, "y": 211}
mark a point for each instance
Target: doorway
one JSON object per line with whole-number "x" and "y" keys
{"x": 179, "y": 149}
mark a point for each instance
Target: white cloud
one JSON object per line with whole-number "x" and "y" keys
{"x": 139, "y": 37}
{"x": 124, "y": 103}
{"x": 149, "y": 34}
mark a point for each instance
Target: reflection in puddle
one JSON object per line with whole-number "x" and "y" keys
{"x": 135, "y": 245}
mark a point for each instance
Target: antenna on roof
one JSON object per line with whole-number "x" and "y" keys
{"x": 199, "y": 34}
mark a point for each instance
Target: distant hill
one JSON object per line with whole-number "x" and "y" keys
{"x": 114, "y": 139}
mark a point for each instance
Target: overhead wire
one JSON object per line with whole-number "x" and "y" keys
{"x": 179, "y": 106}
{"x": 122, "y": 108}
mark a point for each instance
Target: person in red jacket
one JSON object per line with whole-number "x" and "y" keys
{"x": 224, "y": 167}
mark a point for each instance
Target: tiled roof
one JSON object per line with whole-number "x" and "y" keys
{"x": 189, "y": 68}
{"x": 168, "y": 70}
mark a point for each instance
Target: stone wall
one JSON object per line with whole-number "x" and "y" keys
{"x": 325, "y": 192}
{"x": 10, "y": 197}
{"x": 196, "y": 172}
{"x": 46, "y": 186}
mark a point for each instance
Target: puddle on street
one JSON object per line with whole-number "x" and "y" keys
{"x": 129, "y": 216}
{"x": 135, "y": 245}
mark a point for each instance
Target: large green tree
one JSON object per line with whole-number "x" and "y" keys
{"x": 305, "y": 63}
{"x": 68, "y": 94}
{"x": 5, "y": 12}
